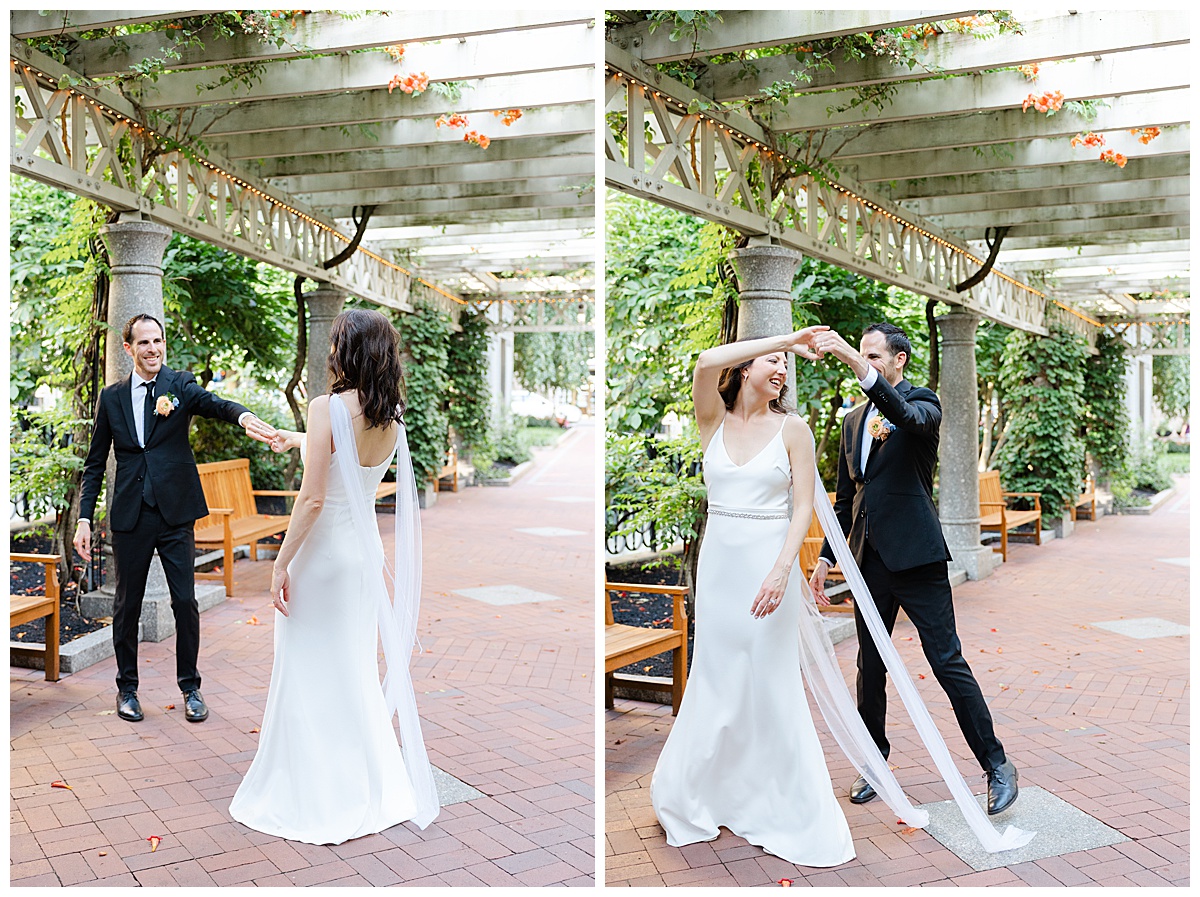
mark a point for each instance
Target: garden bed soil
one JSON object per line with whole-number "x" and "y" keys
{"x": 28, "y": 579}
{"x": 647, "y": 610}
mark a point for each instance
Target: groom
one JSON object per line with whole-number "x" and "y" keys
{"x": 885, "y": 506}
{"x": 156, "y": 500}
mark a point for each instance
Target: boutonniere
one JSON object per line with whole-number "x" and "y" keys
{"x": 880, "y": 429}
{"x": 165, "y": 404}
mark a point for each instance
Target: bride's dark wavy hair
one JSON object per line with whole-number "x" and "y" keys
{"x": 365, "y": 357}
{"x": 730, "y": 385}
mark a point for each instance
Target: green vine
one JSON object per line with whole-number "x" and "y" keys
{"x": 1105, "y": 418}
{"x": 1043, "y": 382}
{"x": 424, "y": 335}
{"x": 467, "y": 388}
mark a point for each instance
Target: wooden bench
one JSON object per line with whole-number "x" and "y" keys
{"x": 27, "y": 608}
{"x": 810, "y": 551}
{"x": 624, "y": 645}
{"x": 1087, "y": 496}
{"x": 996, "y": 516}
{"x": 449, "y": 471}
{"x": 233, "y": 517}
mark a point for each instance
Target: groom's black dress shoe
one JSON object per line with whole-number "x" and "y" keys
{"x": 1002, "y": 787}
{"x": 128, "y": 707}
{"x": 194, "y": 708}
{"x": 861, "y": 791}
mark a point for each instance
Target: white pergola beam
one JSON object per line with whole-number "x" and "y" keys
{"x": 574, "y": 214}
{"x": 470, "y": 173}
{"x": 1047, "y": 177}
{"x": 31, "y": 23}
{"x": 314, "y": 33}
{"x": 1131, "y": 191}
{"x": 943, "y": 163}
{"x": 489, "y": 189}
{"x": 445, "y": 154}
{"x": 1169, "y": 231}
{"x": 1118, "y": 229}
{"x": 1014, "y": 217}
{"x": 446, "y": 207}
{"x": 537, "y": 123}
{"x": 1043, "y": 40}
{"x": 1143, "y": 71}
{"x": 1162, "y": 109}
{"x": 745, "y": 30}
{"x": 539, "y": 232}
{"x": 479, "y": 99}
{"x": 488, "y": 55}
{"x": 1093, "y": 255}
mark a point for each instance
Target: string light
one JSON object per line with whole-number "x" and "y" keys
{"x": 234, "y": 179}
{"x": 866, "y": 202}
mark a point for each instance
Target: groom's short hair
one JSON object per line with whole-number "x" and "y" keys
{"x": 897, "y": 341}
{"x": 127, "y": 330}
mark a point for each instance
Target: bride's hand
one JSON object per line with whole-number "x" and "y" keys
{"x": 280, "y": 588}
{"x": 801, "y": 342}
{"x": 770, "y": 595}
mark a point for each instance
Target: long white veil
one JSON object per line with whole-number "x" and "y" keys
{"x": 824, "y": 677}
{"x": 398, "y": 617}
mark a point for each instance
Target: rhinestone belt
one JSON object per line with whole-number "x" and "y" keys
{"x": 750, "y": 515}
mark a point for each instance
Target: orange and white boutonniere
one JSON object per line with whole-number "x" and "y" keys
{"x": 165, "y": 404}
{"x": 880, "y": 429}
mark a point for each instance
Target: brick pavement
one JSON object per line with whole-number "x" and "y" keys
{"x": 1099, "y": 719}
{"x": 506, "y": 696}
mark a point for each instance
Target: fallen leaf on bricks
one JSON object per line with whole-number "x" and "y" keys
{"x": 154, "y": 842}
{"x": 61, "y": 785}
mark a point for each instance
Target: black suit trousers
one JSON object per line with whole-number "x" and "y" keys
{"x": 925, "y": 595}
{"x": 132, "y": 553}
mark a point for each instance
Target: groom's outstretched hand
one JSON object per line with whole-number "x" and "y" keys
{"x": 83, "y": 540}
{"x": 257, "y": 429}
{"x": 816, "y": 582}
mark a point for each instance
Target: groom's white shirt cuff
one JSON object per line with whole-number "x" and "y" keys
{"x": 866, "y": 383}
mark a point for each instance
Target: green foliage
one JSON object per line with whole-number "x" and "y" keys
{"x": 1105, "y": 418}
{"x": 1043, "y": 379}
{"x": 221, "y": 313}
{"x": 43, "y": 464}
{"x": 545, "y": 361}
{"x": 467, "y": 386}
{"x": 424, "y": 335}
{"x": 52, "y": 273}
{"x": 649, "y": 354}
{"x": 657, "y": 484}
{"x": 1172, "y": 385}
{"x": 218, "y": 440}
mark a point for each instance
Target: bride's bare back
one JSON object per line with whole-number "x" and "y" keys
{"x": 374, "y": 444}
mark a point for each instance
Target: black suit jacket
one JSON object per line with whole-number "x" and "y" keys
{"x": 891, "y": 505}
{"x": 167, "y": 456}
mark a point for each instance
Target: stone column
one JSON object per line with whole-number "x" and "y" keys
{"x": 765, "y": 272}
{"x": 324, "y": 304}
{"x": 958, "y": 489}
{"x": 135, "y": 250}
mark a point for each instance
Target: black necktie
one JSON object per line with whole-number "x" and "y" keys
{"x": 147, "y": 420}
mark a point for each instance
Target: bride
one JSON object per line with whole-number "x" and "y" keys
{"x": 743, "y": 752}
{"x": 328, "y": 766}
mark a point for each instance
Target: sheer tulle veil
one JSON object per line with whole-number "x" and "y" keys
{"x": 398, "y": 616}
{"x": 824, "y": 678}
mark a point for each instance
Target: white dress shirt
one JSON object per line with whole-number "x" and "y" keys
{"x": 866, "y": 383}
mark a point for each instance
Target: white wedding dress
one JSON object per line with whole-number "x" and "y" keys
{"x": 329, "y": 767}
{"x": 743, "y": 752}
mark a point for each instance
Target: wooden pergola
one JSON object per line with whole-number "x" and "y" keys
{"x": 275, "y": 149}
{"x": 908, "y": 166}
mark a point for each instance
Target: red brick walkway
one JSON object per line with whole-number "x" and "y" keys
{"x": 506, "y": 696}
{"x": 1097, "y": 718}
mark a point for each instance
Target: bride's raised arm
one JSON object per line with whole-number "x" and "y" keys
{"x": 710, "y": 407}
